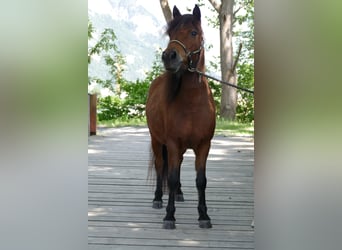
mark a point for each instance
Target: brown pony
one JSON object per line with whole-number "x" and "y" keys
{"x": 180, "y": 114}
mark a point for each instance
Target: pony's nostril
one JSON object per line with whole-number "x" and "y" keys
{"x": 173, "y": 55}
{"x": 164, "y": 55}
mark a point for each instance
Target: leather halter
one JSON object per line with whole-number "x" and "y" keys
{"x": 188, "y": 53}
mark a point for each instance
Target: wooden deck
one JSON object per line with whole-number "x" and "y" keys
{"x": 120, "y": 209}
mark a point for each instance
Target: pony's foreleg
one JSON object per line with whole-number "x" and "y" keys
{"x": 201, "y": 184}
{"x": 173, "y": 184}
{"x": 158, "y": 194}
{"x": 179, "y": 194}
{"x": 169, "y": 219}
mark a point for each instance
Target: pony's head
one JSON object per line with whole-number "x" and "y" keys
{"x": 186, "y": 41}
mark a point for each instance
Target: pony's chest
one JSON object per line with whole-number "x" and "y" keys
{"x": 191, "y": 118}
{"x": 189, "y": 130}
{"x": 188, "y": 109}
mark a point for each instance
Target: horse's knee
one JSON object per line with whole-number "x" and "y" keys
{"x": 201, "y": 180}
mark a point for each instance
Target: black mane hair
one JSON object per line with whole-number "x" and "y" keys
{"x": 179, "y": 20}
{"x": 174, "y": 85}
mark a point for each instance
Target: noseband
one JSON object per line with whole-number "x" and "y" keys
{"x": 189, "y": 54}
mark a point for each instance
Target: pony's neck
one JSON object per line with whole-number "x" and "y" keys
{"x": 186, "y": 80}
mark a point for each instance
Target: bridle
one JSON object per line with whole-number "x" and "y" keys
{"x": 189, "y": 54}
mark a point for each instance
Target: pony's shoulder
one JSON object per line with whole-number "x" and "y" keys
{"x": 160, "y": 79}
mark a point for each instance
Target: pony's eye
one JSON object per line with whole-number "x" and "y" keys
{"x": 194, "y": 33}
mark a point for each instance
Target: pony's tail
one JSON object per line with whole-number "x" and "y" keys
{"x": 151, "y": 176}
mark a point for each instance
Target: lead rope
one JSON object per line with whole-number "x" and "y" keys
{"x": 223, "y": 82}
{"x": 191, "y": 69}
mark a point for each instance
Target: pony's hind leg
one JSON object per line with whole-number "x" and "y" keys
{"x": 179, "y": 194}
{"x": 158, "y": 163}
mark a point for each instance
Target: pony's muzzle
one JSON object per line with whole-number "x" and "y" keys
{"x": 172, "y": 55}
{"x": 172, "y": 60}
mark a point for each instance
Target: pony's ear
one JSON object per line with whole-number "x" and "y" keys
{"x": 176, "y": 12}
{"x": 197, "y": 13}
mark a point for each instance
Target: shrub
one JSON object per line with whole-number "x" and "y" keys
{"x": 245, "y": 103}
{"x": 130, "y": 99}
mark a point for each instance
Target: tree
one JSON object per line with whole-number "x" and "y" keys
{"x": 227, "y": 16}
{"x": 164, "y": 4}
{"x": 228, "y": 73}
{"x": 245, "y": 68}
{"x": 243, "y": 33}
{"x": 107, "y": 48}
{"x": 229, "y": 94}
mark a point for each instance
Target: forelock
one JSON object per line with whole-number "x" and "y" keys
{"x": 177, "y": 22}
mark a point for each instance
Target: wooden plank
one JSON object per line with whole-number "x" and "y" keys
{"x": 157, "y": 225}
{"x": 120, "y": 215}
{"x": 175, "y": 242}
{"x": 140, "y": 247}
{"x": 135, "y": 232}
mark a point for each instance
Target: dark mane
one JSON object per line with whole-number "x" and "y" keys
{"x": 175, "y": 80}
{"x": 174, "y": 83}
{"x": 175, "y": 23}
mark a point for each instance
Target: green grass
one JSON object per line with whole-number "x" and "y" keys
{"x": 223, "y": 127}
{"x": 226, "y": 128}
{"x": 123, "y": 122}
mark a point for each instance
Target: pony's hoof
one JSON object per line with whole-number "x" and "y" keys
{"x": 205, "y": 224}
{"x": 179, "y": 197}
{"x": 169, "y": 224}
{"x": 157, "y": 204}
